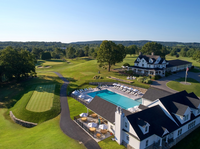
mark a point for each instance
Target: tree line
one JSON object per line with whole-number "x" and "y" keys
{"x": 16, "y": 64}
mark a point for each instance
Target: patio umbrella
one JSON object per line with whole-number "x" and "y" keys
{"x": 130, "y": 88}
{"x": 103, "y": 126}
{"x": 131, "y": 110}
{"x": 122, "y": 86}
{"x": 89, "y": 99}
{"x": 118, "y": 84}
{"x": 114, "y": 84}
{"x": 92, "y": 125}
{"x": 83, "y": 115}
{"x": 125, "y": 87}
{"x": 135, "y": 90}
{"x": 81, "y": 96}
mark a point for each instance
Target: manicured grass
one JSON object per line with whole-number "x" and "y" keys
{"x": 42, "y": 98}
{"x": 109, "y": 144}
{"x": 194, "y": 87}
{"x": 194, "y": 70}
{"x": 48, "y": 135}
{"x": 75, "y": 107}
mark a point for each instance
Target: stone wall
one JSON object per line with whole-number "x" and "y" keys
{"x": 21, "y": 122}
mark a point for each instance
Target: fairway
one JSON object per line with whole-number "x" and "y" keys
{"x": 42, "y": 98}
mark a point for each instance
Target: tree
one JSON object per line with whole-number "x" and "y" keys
{"x": 173, "y": 52}
{"x": 132, "y": 49}
{"x": 183, "y": 51}
{"x": 190, "y": 52}
{"x": 37, "y": 52}
{"x": 70, "y": 52}
{"x": 46, "y": 56}
{"x": 79, "y": 53}
{"x": 109, "y": 53}
{"x": 86, "y": 50}
{"x": 154, "y": 47}
{"x": 17, "y": 63}
{"x": 196, "y": 56}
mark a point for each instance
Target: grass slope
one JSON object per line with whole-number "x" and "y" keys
{"x": 42, "y": 98}
{"x": 194, "y": 87}
{"x": 48, "y": 135}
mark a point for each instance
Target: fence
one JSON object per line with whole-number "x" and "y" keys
{"x": 83, "y": 126}
{"x": 21, "y": 122}
{"x": 79, "y": 99}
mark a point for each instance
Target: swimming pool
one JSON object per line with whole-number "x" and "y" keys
{"x": 117, "y": 99}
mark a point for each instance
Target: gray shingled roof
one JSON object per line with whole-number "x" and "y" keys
{"x": 154, "y": 93}
{"x": 178, "y": 108}
{"x": 157, "y": 119}
{"x": 177, "y": 62}
{"x": 104, "y": 108}
{"x": 147, "y": 57}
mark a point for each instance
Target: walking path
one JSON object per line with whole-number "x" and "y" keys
{"x": 67, "y": 125}
{"x": 161, "y": 83}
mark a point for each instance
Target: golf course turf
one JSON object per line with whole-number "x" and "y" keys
{"x": 42, "y": 98}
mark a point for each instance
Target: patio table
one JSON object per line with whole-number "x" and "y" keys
{"x": 98, "y": 135}
{"x": 104, "y": 131}
{"x": 92, "y": 129}
{"x": 94, "y": 115}
{"x": 84, "y": 119}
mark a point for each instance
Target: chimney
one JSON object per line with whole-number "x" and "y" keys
{"x": 140, "y": 53}
{"x": 152, "y": 53}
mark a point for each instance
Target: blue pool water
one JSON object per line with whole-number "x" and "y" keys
{"x": 117, "y": 99}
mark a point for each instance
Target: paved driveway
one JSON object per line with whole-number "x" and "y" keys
{"x": 161, "y": 83}
{"x": 68, "y": 126}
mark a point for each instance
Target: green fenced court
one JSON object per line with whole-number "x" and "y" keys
{"x": 42, "y": 98}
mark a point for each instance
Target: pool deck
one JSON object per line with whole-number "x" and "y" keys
{"x": 112, "y": 89}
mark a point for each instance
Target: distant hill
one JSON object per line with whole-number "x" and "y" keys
{"x": 51, "y": 45}
{"x": 142, "y": 42}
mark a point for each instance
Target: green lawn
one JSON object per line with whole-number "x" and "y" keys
{"x": 194, "y": 87}
{"x": 109, "y": 144}
{"x": 42, "y": 98}
{"x": 47, "y": 135}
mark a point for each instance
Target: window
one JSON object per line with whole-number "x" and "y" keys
{"x": 186, "y": 117}
{"x": 126, "y": 124}
{"x": 142, "y": 60}
{"x": 198, "y": 110}
{"x": 147, "y": 142}
{"x": 111, "y": 127}
{"x": 142, "y": 65}
{"x": 191, "y": 125}
{"x": 146, "y": 128}
{"x": 179, "y": 132}
{"x": 127, "y": 138}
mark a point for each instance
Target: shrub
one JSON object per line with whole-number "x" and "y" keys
{"x": 97, "y": 77}
{"x": 140, "y": 79}
{"x": 148, "y": 81}
{"x": 156, "y": 77}
{"x": 126, "y": 64}
{"x": 192, "y": 67}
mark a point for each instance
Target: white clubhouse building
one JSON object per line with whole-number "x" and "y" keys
{"x": 166, "y": 120}
{"x": 155, "y": 65}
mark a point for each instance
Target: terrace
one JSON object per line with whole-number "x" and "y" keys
{"x": 94, "y": 125}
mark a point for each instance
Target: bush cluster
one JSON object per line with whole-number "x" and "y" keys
{"x": 97, "y": 77}
{"x": 144, "y": 80}
{"x": 126, "y": 64}
{"x": 156, "y": 77}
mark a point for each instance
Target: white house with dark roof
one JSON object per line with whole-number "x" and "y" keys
{"x": 155, "y": 65}
{"x": 161, "y": 124}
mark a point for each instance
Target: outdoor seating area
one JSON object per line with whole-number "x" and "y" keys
{"x": 94, "y": 125}
{"x": 131, "y": 78}
{"x": 127, "y": 90}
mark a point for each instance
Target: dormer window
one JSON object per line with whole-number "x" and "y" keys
{"x": 186, "y": 117}
{"x": 146, "y": 128}
{"x": 198, "y": 110}
{"x": 126, "y": 124}
{"x": 138, "y": 59}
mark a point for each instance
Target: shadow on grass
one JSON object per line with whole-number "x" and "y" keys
{"x": 55, "y": 60}
{"x": 86, "y": 59}
{"x": 39, "y": 62}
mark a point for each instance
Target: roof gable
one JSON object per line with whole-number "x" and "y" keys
{"x": 104, "y": 108}
{"x": 156, "y": 119}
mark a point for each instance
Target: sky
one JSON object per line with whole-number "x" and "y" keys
{"x": 87, "y": 20}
